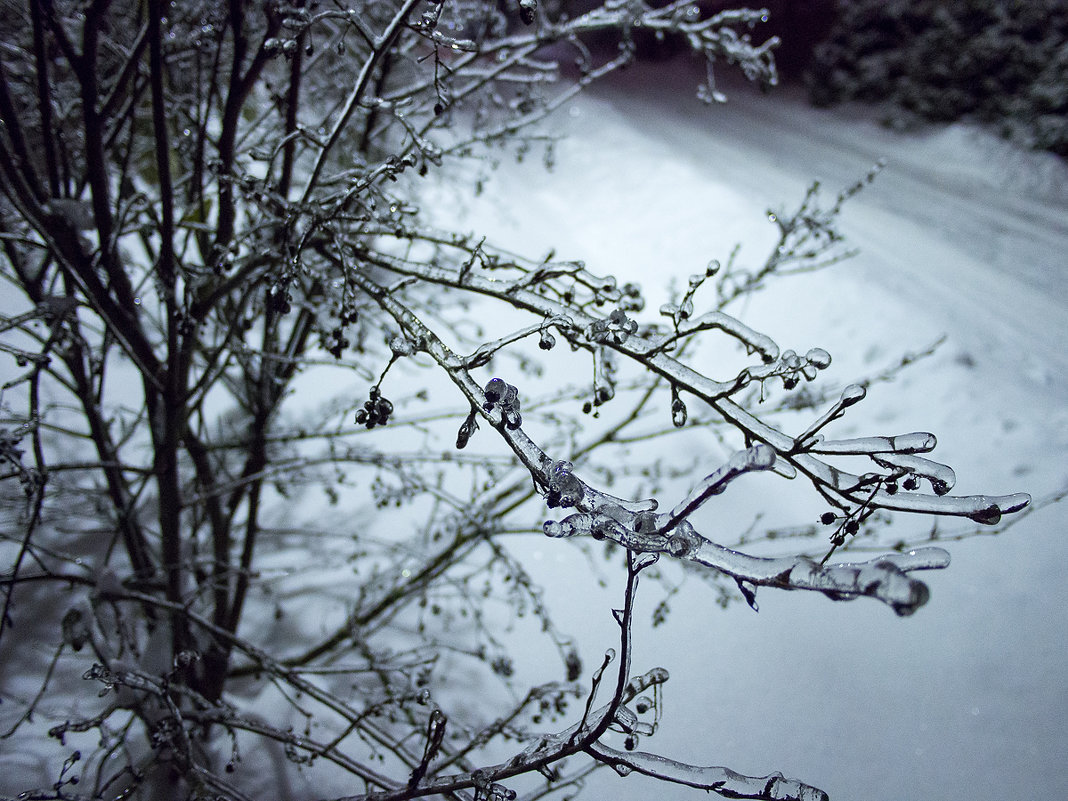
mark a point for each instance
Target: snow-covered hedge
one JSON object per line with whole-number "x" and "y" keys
{"x": 999, "y": 62}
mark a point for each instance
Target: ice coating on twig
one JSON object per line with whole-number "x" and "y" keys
{"x": 852, "y": 394}
{"x": 757, "y": 457}
{"x": 919, "y": 559}
{"x": 941, "y": 476}
{"x": 599, "y": 498}
{"x": 790, "y": 367}
{"x": 985, "y": 509}
{"x": 637, "y": 527}
{"x": 724, "y": 781}
{"x": 884, "y": 578}
{"x": 916, "y": 442}
{"x": 754, "y": 340}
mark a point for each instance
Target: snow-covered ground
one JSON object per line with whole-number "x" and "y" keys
{"x": 961, "y": 235}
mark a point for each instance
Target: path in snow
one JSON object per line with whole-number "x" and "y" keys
{"x": 961, "y": 235}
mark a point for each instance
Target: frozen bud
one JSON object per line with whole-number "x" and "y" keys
{"x": 854, "y": 393}
{"x": 563, "y": 488}
{"x": 819, "y": 358}
{"x": 987, "y": 516}
{"x": 75, "y": 630}
{"x": 510, "y": 397}
{"x": 401, "y": 346}
{"x": 669, "y": 310}
{"x": 682, "y": 542}
{"x": 554, "y": 528}
{"x": 645, "y": 522}
{"x": 467, "y": 428}
{"x": 573, "y": 664}
{"x": 597, "y": 331}
{"x": 678, "y": 408}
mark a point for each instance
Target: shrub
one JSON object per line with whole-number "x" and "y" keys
{"x": 219, "y": 575}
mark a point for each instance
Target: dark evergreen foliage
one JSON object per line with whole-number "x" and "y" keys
{"x": 1003, "y": 63}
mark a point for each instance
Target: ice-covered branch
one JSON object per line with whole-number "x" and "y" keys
{"x": 757, "y": 458}
{"x": 638, "y": 528}
{"x": 723, "y": 781}
{"x": 802, "y": 452}
{"x": 885, "y": 578}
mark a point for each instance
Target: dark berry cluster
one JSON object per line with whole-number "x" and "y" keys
{"x": 279, "y": 299}
{"x": 795, "y": 367}
{"x": 376, "y": 410}
{"x": 527, "y": 11}
{"x": 469, "y": 427}
{"x": 337, "y": 342}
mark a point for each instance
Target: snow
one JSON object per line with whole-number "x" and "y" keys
{"x": 962, "y": 235}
